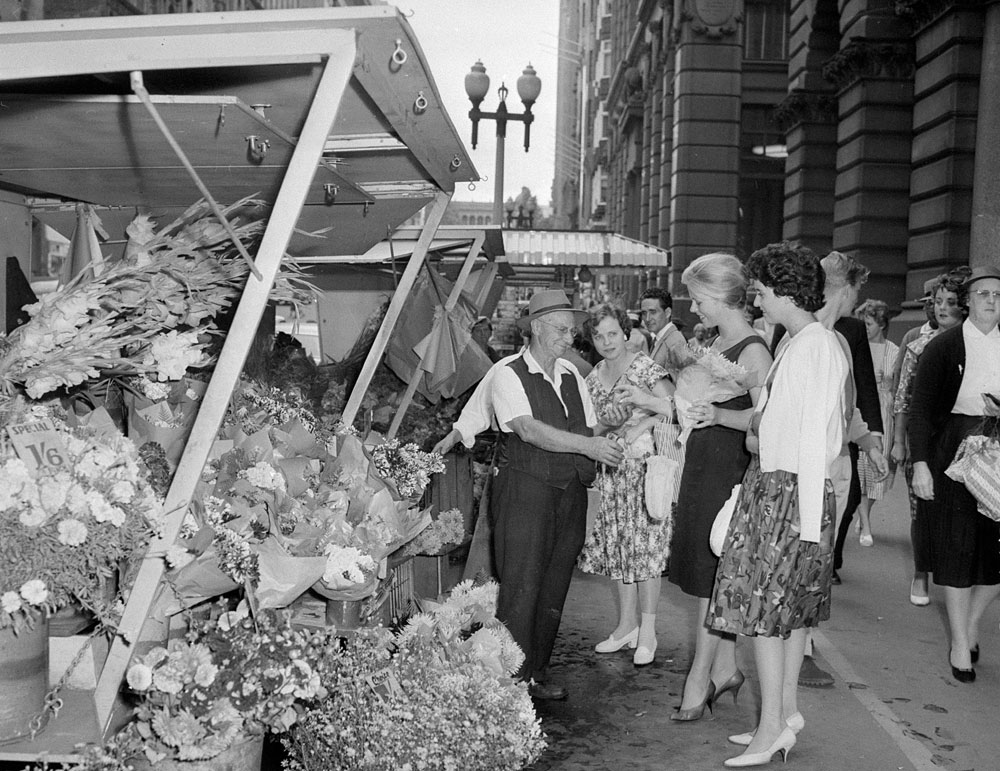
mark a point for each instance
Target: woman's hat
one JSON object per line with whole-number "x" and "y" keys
{"x": 548, "y": 301}
{"x": 983, "y": 271}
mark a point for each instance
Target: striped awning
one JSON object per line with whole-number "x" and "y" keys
{"x": 564, "y": 247}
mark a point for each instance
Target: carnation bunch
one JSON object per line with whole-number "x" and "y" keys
{"x": 406, "y": 466}
{"x": 66, "y": 529}
{"x": 233, "y": 676}
{"x": 437, "y": 696}
{"x": 448, "y": 529}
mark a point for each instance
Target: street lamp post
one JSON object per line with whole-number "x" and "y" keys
{"x": 477, "y": 85}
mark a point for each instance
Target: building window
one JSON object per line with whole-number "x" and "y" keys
{"x": 765, "y": 30}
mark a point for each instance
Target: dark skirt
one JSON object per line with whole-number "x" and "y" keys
{"x": 769, "y": 582}
{"x": 962, "y": 543}
{"x": 716, "y": 459}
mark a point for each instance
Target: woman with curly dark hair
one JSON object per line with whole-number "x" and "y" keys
{"x": 773, "y": 580}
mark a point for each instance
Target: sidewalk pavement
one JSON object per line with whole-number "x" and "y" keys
{"x": 893, "y": 706}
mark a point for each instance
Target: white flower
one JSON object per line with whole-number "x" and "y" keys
{"x": 346, "y": 562}
{"x": 139, "y": 677}
{"x": 265, "y": 476}
{"x": 122, "y": 492}
{"x": 76, "y": 500}
{"x": 34, "y": 516}
{"x": 72, "y": 532}
{"x": 177, "y": 557}
{"x": 53, "y": 493}
{"x": 34, "y": 591}
{"x": 10, "y": 602}
{"x": 14, "y": 475}
{"x": 169, "y": 355}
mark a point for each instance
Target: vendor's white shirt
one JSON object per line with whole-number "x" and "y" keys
{"x": 802, "y": 429}
{"x": 510, "y": 400}
{"x": 982, "y": 369}
{"x": 477, "y": 414}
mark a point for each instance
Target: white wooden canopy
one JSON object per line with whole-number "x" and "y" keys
{"x": 148, "y": 111}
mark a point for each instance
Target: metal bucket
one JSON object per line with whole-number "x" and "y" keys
{"x": 24, "y": 677}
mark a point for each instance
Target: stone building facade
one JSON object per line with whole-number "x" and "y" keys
{"x": 859, "y": 125}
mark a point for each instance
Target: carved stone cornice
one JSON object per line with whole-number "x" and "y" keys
{"x": 802, "y": 106}
{"x": 713, "y": 19}
{"x": 863, "y": 58}
{"x": 920, "y": 13}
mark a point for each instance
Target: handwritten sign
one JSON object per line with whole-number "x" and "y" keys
{"x": 38, "y": 444}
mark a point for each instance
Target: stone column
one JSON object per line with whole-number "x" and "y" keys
{"x": 985, "y": 237}
{"x": 706, "y": 130}
{"x": 874, "y": 144}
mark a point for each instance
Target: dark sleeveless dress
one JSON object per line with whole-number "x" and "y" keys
{"x": 715, "y": 460}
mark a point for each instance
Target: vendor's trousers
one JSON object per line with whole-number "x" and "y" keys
{"x": 539, "y": 531}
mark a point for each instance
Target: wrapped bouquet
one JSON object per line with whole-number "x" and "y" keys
{"x": 706, "y": 376}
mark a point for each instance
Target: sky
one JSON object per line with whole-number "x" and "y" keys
{"x": 506, "y": 35}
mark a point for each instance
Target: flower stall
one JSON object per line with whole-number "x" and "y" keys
{"x": 297, "y": 133}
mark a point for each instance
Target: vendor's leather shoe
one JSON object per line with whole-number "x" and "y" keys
{"x": 835, "y": 579}
{"x": 547, "y": 691}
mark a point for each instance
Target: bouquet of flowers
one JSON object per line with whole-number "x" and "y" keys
{"x": 148, "y": 313}
{"x": 406, "y": 466}
{"x": 708, "y": 376}
{"x": 277, "y": 514}
{"x": 232, "y": 677}
{"x": 448, "y": 529}
{"x": 68, "y": 524}
{"x": 163, "y": 411}
{"x": 438, "y": 695}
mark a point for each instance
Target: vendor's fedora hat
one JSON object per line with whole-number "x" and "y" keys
{"x": 983, "y": 271}
{"x": 549, "y": 301}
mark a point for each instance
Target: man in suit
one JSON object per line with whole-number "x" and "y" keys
{"x": 656, "y": 305}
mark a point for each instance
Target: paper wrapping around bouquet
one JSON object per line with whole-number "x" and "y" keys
{"x": 143, "y": 422}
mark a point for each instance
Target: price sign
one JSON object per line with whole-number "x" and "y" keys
{"x": 38, "y": 444}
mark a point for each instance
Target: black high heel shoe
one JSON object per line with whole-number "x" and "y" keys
{"x": 975, "y": 653}
{"x": 698, "y": 712}
{"x": 962, "y": 675}
{"x": 734, "y": 683}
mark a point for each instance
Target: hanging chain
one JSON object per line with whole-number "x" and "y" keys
{"x": 52, "y": 703}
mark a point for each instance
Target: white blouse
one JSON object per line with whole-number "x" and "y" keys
{"x": 982, "y": 369}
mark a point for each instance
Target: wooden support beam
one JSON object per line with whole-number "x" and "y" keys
{"x": 406, "y": 282}
{"x": 291, "y": 196}
{"x": 456, "y": 292}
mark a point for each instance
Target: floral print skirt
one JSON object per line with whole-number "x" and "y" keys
{"x": 625, "y": 542}
{"x": 769, "y": 582}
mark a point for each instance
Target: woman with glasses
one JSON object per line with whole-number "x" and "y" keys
{"x": 625, "y": 543}
{"x": 956, "y": 385}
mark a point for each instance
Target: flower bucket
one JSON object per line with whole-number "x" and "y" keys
{"x": 24, "y": 677}
{"x": 345, "y": 615}
{"x": 243, "y": 755}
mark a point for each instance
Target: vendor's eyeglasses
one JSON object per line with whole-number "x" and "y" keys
{"x": 571, "y": 331}
{"x": 987, "y": 294}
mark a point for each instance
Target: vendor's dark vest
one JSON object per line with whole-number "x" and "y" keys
{"x": 558, "y": 469}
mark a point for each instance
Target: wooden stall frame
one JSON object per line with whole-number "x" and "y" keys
{"x": 185, "y": 43}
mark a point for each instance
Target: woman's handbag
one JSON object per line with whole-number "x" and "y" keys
{"x": 977, "y": 466}
{"x": 662, "y": 477}
{"x": 720, "y": 527}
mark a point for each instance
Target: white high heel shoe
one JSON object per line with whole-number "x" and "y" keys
{"x": 611, "y": 644}
{"x": 796, "y": 722}
{"x": 784, "y": 743}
